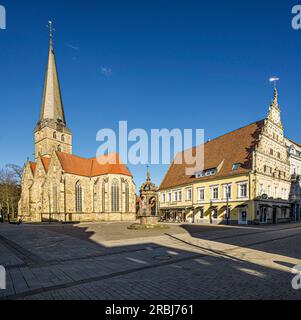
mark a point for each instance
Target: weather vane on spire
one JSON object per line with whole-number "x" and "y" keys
{"x": 50, "y": 27}
{"x": 274, "y": 80}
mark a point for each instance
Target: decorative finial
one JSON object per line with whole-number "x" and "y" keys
{"x": 275, "y": 80}
{"x": 50, "y": 27}
{"x": 148, "y": 173}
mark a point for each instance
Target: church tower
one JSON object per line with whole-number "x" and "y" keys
{"x": 51, "y": 132}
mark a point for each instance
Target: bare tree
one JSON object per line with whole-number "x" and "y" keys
{"x": 10, "y": 189}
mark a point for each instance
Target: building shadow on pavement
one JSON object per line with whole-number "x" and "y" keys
{"x": 66, "y": 262}
{"x": 269, "y": 238}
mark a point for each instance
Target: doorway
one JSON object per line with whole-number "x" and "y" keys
{"x": 263, "y": 215}
{"x": 274, "y": 215}
{"x": 243, "y": 216}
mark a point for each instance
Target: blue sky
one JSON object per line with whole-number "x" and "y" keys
{"x": 157, "y": 64}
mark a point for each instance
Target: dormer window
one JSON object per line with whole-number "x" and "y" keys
{"x": 206, "y": 173}
{"x": 236, "y": 166}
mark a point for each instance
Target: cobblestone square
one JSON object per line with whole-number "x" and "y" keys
{"x": 185, "y": 262}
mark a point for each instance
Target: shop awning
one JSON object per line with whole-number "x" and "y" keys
{"x": 242, "y": 206}
{"x": 213, "y": 207}
{"x": 225, "y": 207}
{"x": 199, "y": 207}
{"x": 286, "y": 206}
{"x": 262, "y": 205}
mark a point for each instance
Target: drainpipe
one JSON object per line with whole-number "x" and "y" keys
{"x": 193, "y": 209}
{"x": 250, "y": 188}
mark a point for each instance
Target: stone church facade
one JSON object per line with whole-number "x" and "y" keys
{"x": 59, "y": 186}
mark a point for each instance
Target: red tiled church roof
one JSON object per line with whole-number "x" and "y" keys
{"x": 92, "y": 167}
{"x": 33, "y": 166}
{"x": 231, "y": 148}
{"x": 46, "y": 163}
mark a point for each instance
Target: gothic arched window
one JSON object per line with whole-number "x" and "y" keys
{"x": 95, "y": 196}
{"x": 115, "y": 196}
{"x": 78, "y": 197}
{"x": 103, "y": 197}
{"x": 127, "y": 197}
{"x": 54, "y": 195}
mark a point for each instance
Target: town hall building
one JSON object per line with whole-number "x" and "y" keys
{"x": 59, "y": 186}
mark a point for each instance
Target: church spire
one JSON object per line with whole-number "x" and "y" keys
{"x": 52, "y": 106}
{"x": 51, "y": 133}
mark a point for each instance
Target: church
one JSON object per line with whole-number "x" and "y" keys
{"x": 59, "y": 186}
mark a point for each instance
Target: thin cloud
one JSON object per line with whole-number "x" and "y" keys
{"x": 106, "y": 71}
{"x": 72, "y": 47}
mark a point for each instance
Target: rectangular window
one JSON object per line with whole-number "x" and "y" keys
{"x": 163, "y": 197}
{"x": 177, "y": 196}
{"x": 243, "y": 190}
{"x": 169, "y": 197}
{"x": 276, "y": 192}
{"x": 227, "y": 191}
{"x": 214, "y": 193}
{"x": 201, "y": 194}
{"x": 189, "y": 195}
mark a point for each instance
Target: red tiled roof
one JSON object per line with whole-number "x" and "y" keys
{"x": 46, "y": 163}
{"x": 33, "y": 166}
{"x": 296, "y": 143}
{"x": 92, "y": 167}
{"x": 231, "y": 148}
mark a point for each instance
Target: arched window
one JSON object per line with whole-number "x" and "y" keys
{"x": 95, "y": 196}
{"x": 63, "y": 138}
{"x": 115, "y": 196}
{"x": 78, "y": 197}
{"x": 54, "y": 135}
{"x": 59, "y": 148}
{"x": 54, "y": 195}
{"x": 103, "y": 197}
{"x": 127, "y": 197}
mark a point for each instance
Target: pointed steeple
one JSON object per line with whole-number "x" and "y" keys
{"x": 52, "y": 106}
{"x": 51, "y": 133}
